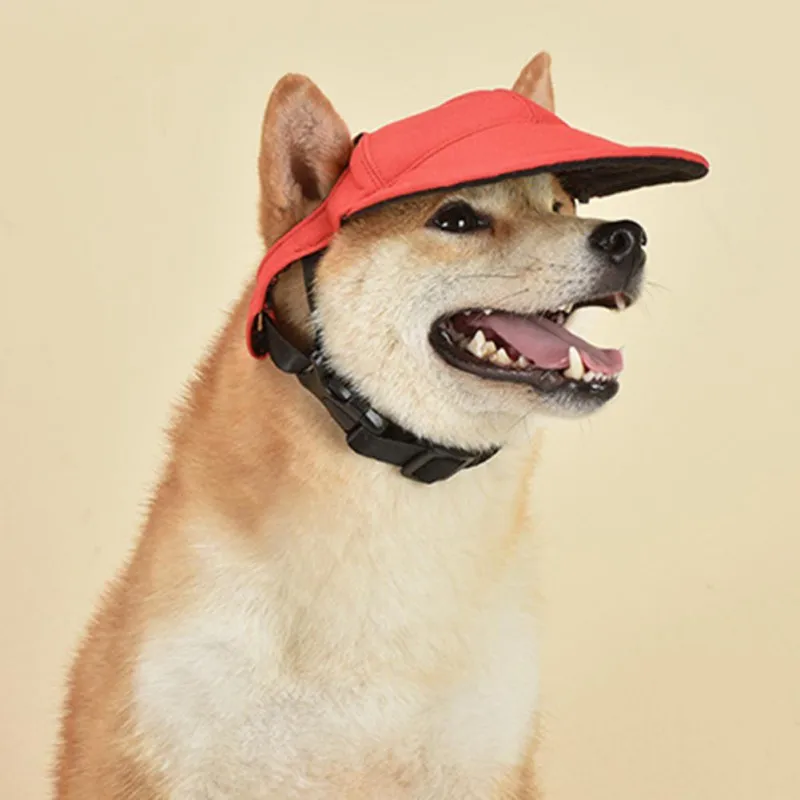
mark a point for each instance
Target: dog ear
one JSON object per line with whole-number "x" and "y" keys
{"x": 305, "y": 146}
{"x": 536, "y": 83}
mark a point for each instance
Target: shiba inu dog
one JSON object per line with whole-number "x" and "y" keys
{"x": 299, "y": 620}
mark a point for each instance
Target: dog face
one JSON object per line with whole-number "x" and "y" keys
{"x": 451, "y": 311}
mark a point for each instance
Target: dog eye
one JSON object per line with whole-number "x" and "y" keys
{"x": 557, "y": 206}
{"x": 459, "y": 217}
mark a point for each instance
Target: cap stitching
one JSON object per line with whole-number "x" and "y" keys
{"x": 443, "y": 146}
{"x": 371, "y": 167}
{"x": 529, "y": 105}
{"x": 523, "y": 102}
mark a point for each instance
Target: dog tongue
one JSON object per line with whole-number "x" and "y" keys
{"x": 546, "y": 344}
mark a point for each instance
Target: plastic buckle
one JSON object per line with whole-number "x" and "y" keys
{"x": 431, "y": 466}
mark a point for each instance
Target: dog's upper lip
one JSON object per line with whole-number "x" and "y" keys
{"x": 615, "y": 299}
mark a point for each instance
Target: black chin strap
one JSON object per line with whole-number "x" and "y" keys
{"x": 369, "y": 433}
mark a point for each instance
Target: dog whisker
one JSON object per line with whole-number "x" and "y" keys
{"x": 486, "y": 276}
{"x": 511, "y": 296}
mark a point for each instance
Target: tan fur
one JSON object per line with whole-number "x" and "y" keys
{"x": 301, "y": 622}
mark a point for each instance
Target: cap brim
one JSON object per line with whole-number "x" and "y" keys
{"x": 588, "y": 166}
{"x": 605, "y": 176}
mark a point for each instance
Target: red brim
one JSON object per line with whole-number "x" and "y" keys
{"x": 587, "y": 166}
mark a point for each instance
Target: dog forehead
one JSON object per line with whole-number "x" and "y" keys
{"x": 526, "y": 191}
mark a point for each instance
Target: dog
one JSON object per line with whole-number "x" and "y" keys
{"x": 298, "y": 620}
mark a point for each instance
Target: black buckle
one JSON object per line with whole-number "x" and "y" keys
{"x": 434, "y": 465}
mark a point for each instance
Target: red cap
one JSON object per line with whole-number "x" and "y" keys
{"x": 475, "y": 138}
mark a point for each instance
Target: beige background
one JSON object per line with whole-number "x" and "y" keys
{"x": 670, "y": 527}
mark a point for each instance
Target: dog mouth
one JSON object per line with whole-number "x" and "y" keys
{"x": 538, "y": 349}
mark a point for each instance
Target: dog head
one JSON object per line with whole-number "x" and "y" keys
{"x": 449, "y": 311}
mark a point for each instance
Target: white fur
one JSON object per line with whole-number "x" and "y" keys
{"x": 236, "y": 685}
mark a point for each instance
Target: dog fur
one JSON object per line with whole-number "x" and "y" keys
{"x": 298, "y": 621}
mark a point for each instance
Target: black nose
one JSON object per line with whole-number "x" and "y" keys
{"x": 623, "y": 243}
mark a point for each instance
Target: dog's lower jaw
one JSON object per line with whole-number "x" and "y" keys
{"x": 302, "y": 621}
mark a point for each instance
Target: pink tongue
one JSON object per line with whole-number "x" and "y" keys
{"x": 546, "y": 344}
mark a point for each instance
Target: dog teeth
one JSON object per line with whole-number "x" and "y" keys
{"x": 487, "y": 350}
{"x": 619, "y": 299}
{"x": 598, "y": 377}
{"x": 480, "y": 346}
{"x": 576, "y": 370}
{"x": 501, "y": 358}
{"x": 477, "y": 344}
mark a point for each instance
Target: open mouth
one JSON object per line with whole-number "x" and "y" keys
{"x": 538, "y": 350}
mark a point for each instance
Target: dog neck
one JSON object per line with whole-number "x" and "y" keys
{"x": 251, "y": 440}
{"x": 369, "y": 432}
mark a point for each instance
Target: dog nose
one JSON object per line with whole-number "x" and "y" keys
{"x": 623, "y": 242}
